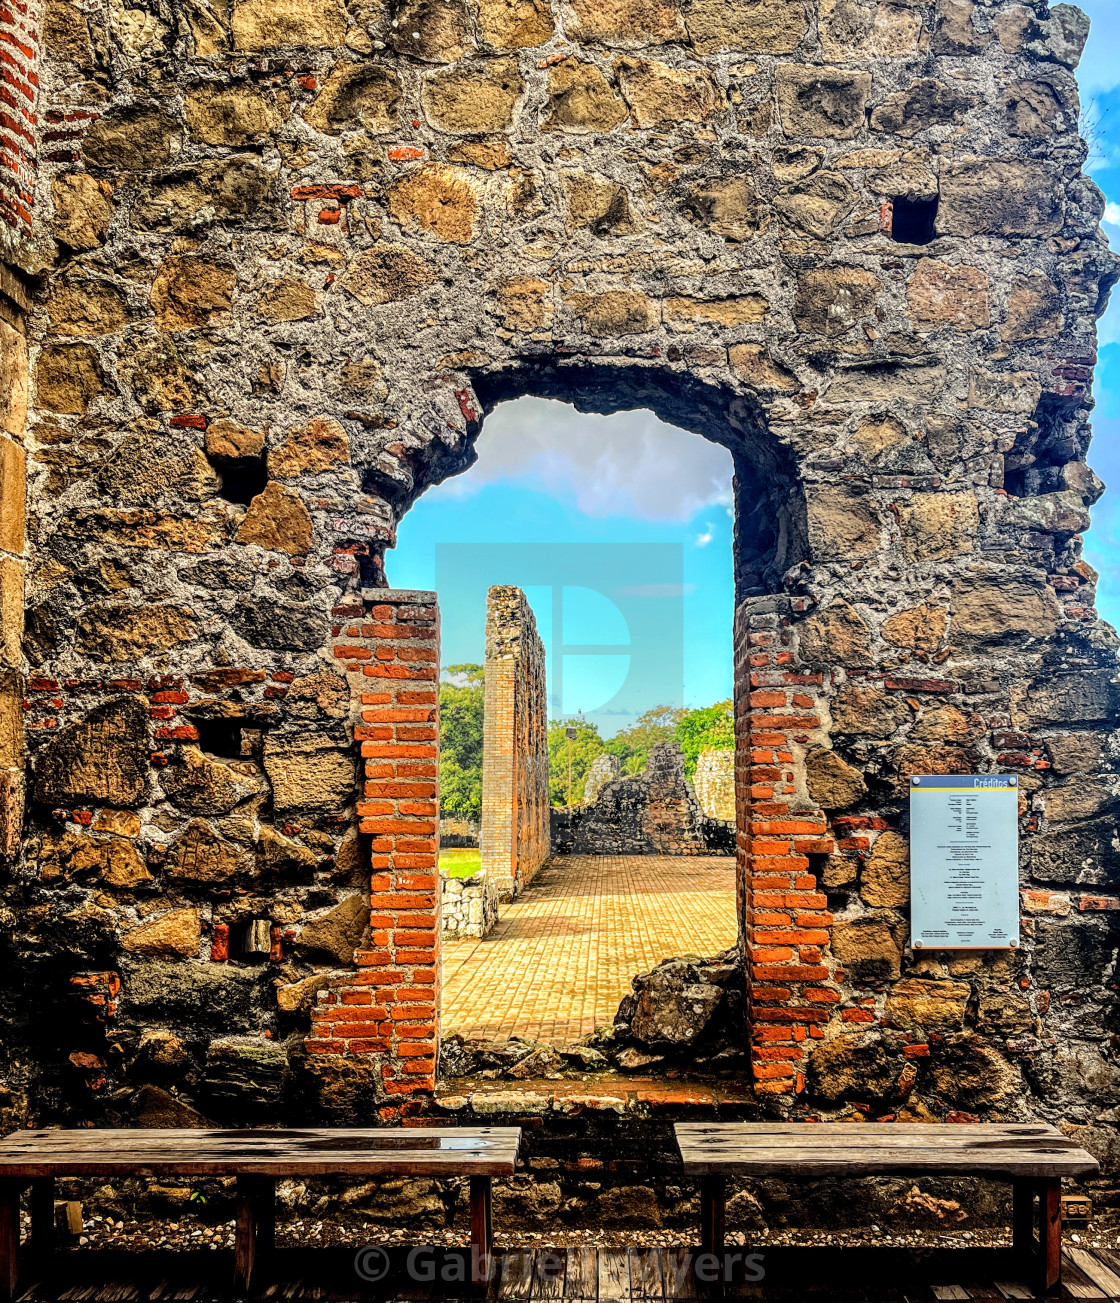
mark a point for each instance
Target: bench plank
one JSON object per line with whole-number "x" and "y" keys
{"x": 1008, "y": 1150}
{"x": 398, "y": 1151}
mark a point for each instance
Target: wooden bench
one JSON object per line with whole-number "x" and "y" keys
{"x": 257, "y": 1159}
{"x": 1032, "y": 1156}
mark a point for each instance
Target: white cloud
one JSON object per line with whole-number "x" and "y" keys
{"x": 702, "y": 540}
{"x": 627, "y": 464}
{"x": 1112, "y": 213}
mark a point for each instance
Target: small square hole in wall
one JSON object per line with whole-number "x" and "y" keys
{"x": 913, "y": 220}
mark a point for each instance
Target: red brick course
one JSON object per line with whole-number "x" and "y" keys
{"x": 400, "y": 812}
{"x": 786, "y": 926}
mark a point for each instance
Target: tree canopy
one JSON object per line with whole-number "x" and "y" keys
{"x": 460, "y": 761}
{"x": 460, "y": 741}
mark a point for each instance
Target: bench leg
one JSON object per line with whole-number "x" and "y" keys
{"x": 1022, "y": 1222}
{"x": 42, "y": 1217}
{"x": 9, "y": 1238}
{"x": 256, "y": 1221}
{"x": 713, "y": 1206}
{"x": 482, "y": 1228}
{"x": 1050, "y": 1236}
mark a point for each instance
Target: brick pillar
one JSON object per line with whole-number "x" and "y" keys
{"x": 13, "y": 496}
{"x": 389, "y": 1006}
{"x": 791, "y": 982}
{"x": 515, "y": 833}
{"x": 19, "y": 83}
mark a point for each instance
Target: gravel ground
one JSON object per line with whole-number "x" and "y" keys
{"x": 106, "y": 1233}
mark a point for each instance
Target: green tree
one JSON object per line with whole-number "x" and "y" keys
{"x": 460, "y": 741}
{"x": 632, "y": 745}
{"x": 708, "y": 726}
{"x": 586, "y": 745}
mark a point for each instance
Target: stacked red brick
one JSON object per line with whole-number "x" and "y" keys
{"x": 791, "y": 986}
{"x": 19, "y": 81}
{"x": 389, "y": 1006}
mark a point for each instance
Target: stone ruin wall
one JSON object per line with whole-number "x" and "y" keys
{"x": 282, "y": 260}
{"x": 513, "y": 836}
{"x": 655, "y": 812}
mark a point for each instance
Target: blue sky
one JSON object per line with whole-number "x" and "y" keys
{"x": 636, "y": 520}
{"x": 1099, "y": 77}
{"x": 548, "y": 475}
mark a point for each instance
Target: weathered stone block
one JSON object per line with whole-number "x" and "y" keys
{"x": 988, "y": 196}
{"x": 832, "y": 782}
{"x": 628, "y": 24}
{"x": 102, "y": 759}
{"x": 660, "y": 96}
{"x": 200, "y": 857}
{"x": 868, "y": 29}
{"x": 938, "y": 526}
{"x": 760, "y": 26}
{"x": 851, "y": 1066}
{"x": 858, "y": 710}
{"x": 581, "y": 99}
{"x": 727, "y": 206}
{"x": 514, "y": 24}
{"x": 266, "y": 24}
{"x": 386, "y": 274}
{"x": 617, "y": 312}
{"x": 841, "y": 524}
{"x": 928, "y": 1006}
{"x": 13, "y": 495}
{"x": 178, "y": 932}
{"x": 133, "y": 138}
{"x": 869, "y": 947}
{"x": 190, "y": 292}
{"x": 821, "y": 101}
{"x": 319, "y": 445}
{"x": 837, "y": 635}
{"x": 921, "y": 628}
{"x": 927, "y": 103}
{"x": 436, "y": 199}
{"x": 333, "y": 937}
{"x": 467, "y": 100}
{"x": 238, "y": 113}
{"x": 435, "y": 31}
{"x": 831, "y": 300}
{"x": 885, "y": 877}
{"x": 116, "y": 631}
{"x": 308, "y": 771}
{"x": 357, "y": 95}
{"x": 278, "y": 521}
{"x": 996, "y": 609}
{"x": 280, "y": 625}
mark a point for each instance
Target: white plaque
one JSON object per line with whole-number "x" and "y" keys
{"x": 964, "y": 861}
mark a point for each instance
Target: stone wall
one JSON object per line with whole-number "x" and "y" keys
{"x": 291, "y": 255}
{"x": 651, "y": 813}
{"x": 514, "y": 836}
{"x": 714, "y": 784}
{"x": 468, "y": 906}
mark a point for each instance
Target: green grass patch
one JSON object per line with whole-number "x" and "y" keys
{"x": 460, "y": 861}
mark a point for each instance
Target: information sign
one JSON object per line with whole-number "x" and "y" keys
{"x": 964, "y": 861}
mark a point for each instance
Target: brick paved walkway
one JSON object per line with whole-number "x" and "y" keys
{"x": 562, "y": 955}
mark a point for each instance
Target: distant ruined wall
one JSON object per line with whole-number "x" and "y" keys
{"x": 652, "y": 813}
{"x": 514, "y": 838}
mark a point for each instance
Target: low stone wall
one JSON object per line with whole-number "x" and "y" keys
{"x": 468, "y": 906}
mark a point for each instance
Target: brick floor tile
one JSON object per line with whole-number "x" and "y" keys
{"x": 562, "y": 955}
